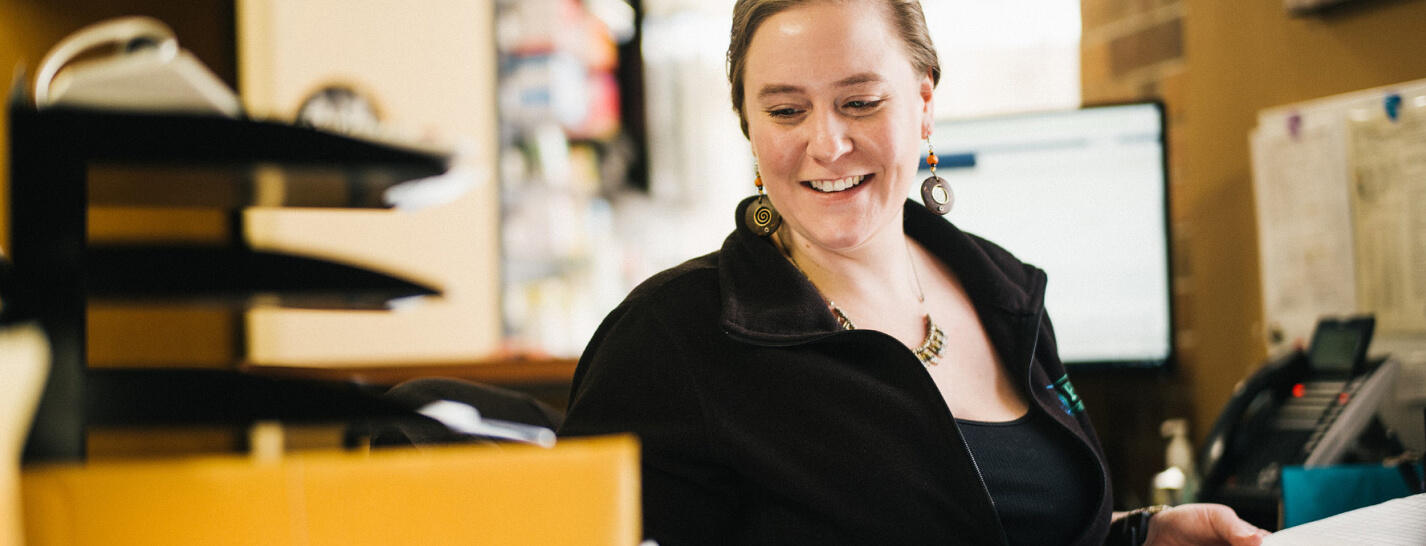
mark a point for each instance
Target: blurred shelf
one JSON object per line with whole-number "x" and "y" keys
{"x": 515, "y": 372}
{"x": 170, "y": 160}
{"x": 136, "y": 138}
{"x": 186, "y": 397}
{"x": 237, "y": 277}
{"x": 233, "y": 187}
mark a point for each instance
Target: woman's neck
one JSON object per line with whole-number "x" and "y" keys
{"x": 868, "y": 279}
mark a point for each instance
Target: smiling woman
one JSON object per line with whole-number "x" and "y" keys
{"x": 863, "y": 372}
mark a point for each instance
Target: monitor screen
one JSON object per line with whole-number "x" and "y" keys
{"x": 1081, "y": 194}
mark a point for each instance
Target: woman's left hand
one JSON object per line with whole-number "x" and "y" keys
{"x": 1202, "y": 524}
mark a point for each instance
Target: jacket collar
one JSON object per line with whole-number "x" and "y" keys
{"x": 767, "y": 301}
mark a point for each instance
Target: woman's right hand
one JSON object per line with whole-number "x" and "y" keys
{"x": 1194, "y": 524}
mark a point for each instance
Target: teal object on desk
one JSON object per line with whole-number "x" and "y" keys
{"x": 1310, "y": 494}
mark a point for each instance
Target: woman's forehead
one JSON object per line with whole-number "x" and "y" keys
{"x": 825, "y": 45}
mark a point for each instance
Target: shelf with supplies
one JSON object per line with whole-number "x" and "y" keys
{"x": 570, "y": 142}
{"x": 67, "y": 163}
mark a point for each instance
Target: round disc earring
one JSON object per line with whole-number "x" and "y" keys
{"x": 761, "y": 217}
{"x": 936, "y": 194}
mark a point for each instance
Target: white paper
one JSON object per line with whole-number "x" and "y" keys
{"x": 1389, "y": 208}
{"x": 1399, "y": 522}
{"x": 1301, "y": 183}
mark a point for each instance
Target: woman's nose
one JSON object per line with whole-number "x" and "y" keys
{"x": 829, "y": 139}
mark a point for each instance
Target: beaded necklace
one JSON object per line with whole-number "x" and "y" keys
{"x": 930, "y": 350}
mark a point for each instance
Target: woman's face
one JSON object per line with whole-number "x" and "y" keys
{"x": 836, "y": 114}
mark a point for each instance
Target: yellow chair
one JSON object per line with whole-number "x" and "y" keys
{"x": 583, "y": 491}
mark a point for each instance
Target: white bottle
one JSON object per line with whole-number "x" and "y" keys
{"x": 1177, "y": 484}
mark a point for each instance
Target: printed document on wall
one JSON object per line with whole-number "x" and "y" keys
{"x": 1301, "y": 181}
{"x": 1389, "y": 207}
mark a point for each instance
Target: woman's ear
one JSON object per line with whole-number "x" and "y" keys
{"x": 928, "y": 109}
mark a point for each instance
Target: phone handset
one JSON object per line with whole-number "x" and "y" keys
{"x": 1249, "y": 410}
{"x": 137, "y": 34}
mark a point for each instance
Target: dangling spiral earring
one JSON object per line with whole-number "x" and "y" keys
{"x": 761, "y": 217}
{"x": 935, "y": 192}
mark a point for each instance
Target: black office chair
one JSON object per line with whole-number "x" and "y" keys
{"x": 491, "y": 402}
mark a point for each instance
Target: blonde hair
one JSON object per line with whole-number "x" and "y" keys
{"x": 905, "y": 17}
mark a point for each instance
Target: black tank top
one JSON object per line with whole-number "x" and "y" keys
{"x": 1043, "y": 485}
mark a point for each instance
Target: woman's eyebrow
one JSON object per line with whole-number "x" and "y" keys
{"x": 858, "y": 79}
{"x": 849, "y": 81}
{"x": 769, "y": 90}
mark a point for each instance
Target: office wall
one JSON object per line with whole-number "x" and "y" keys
{"x": 1215, "y": 64}
{"x": 429, "y": 66}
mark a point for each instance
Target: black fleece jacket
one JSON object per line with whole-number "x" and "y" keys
{"x": 764, "y": 422}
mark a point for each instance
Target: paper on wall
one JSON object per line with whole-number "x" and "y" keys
{"x": 1300, "y": 178}
{"x": 1389, "y": 208}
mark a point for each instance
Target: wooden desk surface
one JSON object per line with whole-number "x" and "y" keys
{"x": 516, "y": 372}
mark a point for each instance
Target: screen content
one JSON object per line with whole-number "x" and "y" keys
{"x": 1334, "y": 350}
{"x": 1082, "y": 195}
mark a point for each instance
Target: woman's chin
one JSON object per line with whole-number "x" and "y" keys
{"x": 842, "y": 232}
{"x": 830, "y": 234}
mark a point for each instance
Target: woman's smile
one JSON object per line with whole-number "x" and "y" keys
{"x": 837, "y": 185}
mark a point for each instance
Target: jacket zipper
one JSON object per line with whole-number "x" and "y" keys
{"x": 978, "y": 476}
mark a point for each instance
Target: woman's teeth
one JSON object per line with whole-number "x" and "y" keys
{"x": 828, "y": 186}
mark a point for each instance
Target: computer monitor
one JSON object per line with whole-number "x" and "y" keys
{"x": 1083, "y": 195}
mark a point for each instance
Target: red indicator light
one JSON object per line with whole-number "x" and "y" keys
{"x": 1298, "y": 390}
{"x": 1343, "y": 398}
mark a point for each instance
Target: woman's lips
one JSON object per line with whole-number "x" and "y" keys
{"x": 836, "y": 185}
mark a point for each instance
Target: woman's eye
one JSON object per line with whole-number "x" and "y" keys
{"x": 862, "y": 105}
